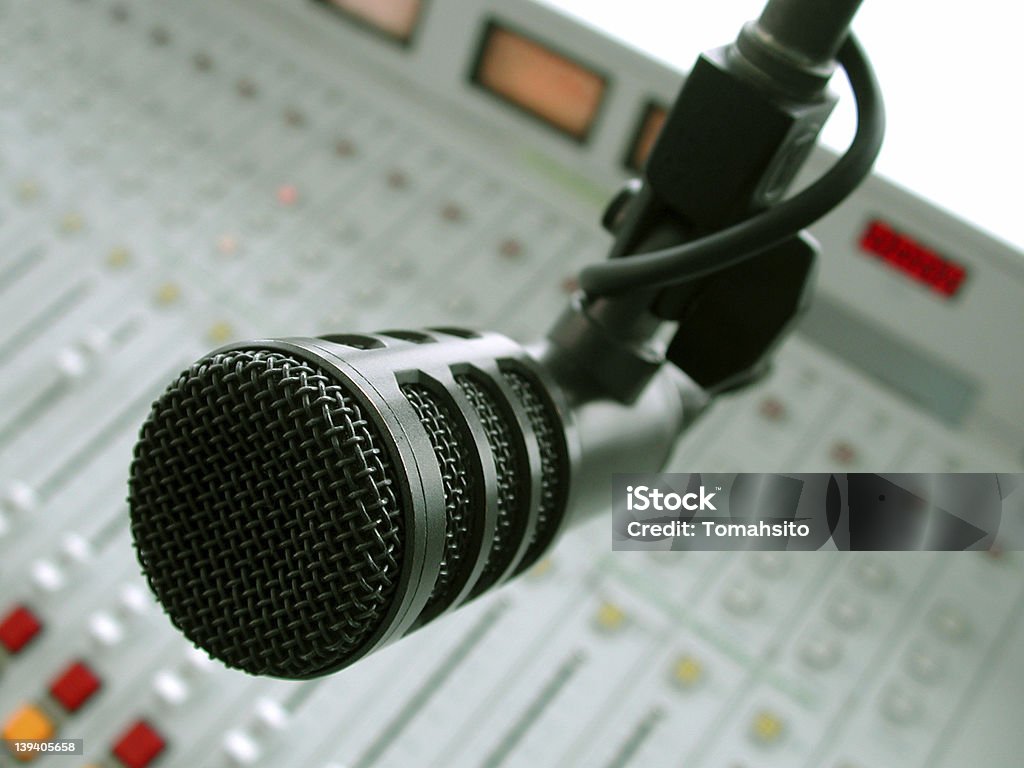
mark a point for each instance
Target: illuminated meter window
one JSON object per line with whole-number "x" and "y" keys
{"x": 531, "y": 76}
{"x": 395, "y": 19}
{"x": 913, "y": 259}
{"x": 644, "y": 136}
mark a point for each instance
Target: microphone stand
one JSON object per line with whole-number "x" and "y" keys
{"x": 740, "y": 129}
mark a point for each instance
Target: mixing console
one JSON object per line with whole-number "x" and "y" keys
{"x": 177, "y": 175}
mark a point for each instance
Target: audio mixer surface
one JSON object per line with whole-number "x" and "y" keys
{"x": 175, "y": 176}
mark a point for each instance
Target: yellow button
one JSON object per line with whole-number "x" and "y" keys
{"x": 167, "y": 294}
{"x": 28, "y": 190}
{"x": 118, "y": 257}
{"x": 220, "y": 332}
{"x": 767, "y": 728}
{"x": 610, "y": 617}
{"x": 687, "y": 671}
{"x": 71, "y": 222}
{"x": 541, "y": 568}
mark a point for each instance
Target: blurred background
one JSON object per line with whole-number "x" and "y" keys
{"x": 175, "y": 176}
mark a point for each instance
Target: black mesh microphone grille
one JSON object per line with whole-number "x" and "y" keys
{"x": 266, "y": 514}
{"x": 451, "y": 447}
{"x": 499, "y": 434}
{"x": 553, "y": 477}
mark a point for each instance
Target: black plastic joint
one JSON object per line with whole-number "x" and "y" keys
{"x": 589, "y": 358}
{"x": 731, "y": 145}
{"x": 737, "y": 317}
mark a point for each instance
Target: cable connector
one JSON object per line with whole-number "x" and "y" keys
{"x": 729, "y": 145}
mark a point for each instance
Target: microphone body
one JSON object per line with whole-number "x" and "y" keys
{"x": 298, "y": 503}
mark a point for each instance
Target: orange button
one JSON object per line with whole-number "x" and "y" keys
{"x": 29, "y": 723}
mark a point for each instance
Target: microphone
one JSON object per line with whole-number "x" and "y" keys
{"x": 298, "y": 503}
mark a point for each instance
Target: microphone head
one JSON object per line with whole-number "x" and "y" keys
{"x": 298, "y": 503}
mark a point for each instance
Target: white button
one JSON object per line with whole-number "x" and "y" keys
{"x": 874, "y": 574}
{"x": 770, "y": 564}
{"x": 924, "y": 665}
{"x": 900, "y": 706}
{"x": 96, "y": 341}
{"x": 133, "y": 600}
{"x": 71, "y": 363}
{"x": 271, "y": 715}
{"x": 847, "y": 613}
{"x": 46, "y": 576}
{"x": 821, "y": 653}
{"x": 240, "y": 748}
{"x": 197, "y": 662}
{"x": 19, "y": 498}
{"x": 170, "y": 688}
{"x": 949, "y": 622}
{"x": 741, "y": 599}
{"x": 75, "y": 550}
{"x": 105, "y": 630}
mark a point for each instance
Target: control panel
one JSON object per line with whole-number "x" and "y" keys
{"x": 177, "y": 175}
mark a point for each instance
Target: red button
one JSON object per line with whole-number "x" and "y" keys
{"x": 75, "y": 686}
{"x": 18, "y": 628}
{"x": 139, "y": 746}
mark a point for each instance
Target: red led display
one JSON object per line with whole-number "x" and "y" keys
{"x": 913, "y": 259}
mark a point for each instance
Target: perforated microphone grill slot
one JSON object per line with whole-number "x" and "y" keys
{"x": 553, "y": 470}
{"x": 452, "y": 448}
{"x": 510, "y": 522}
